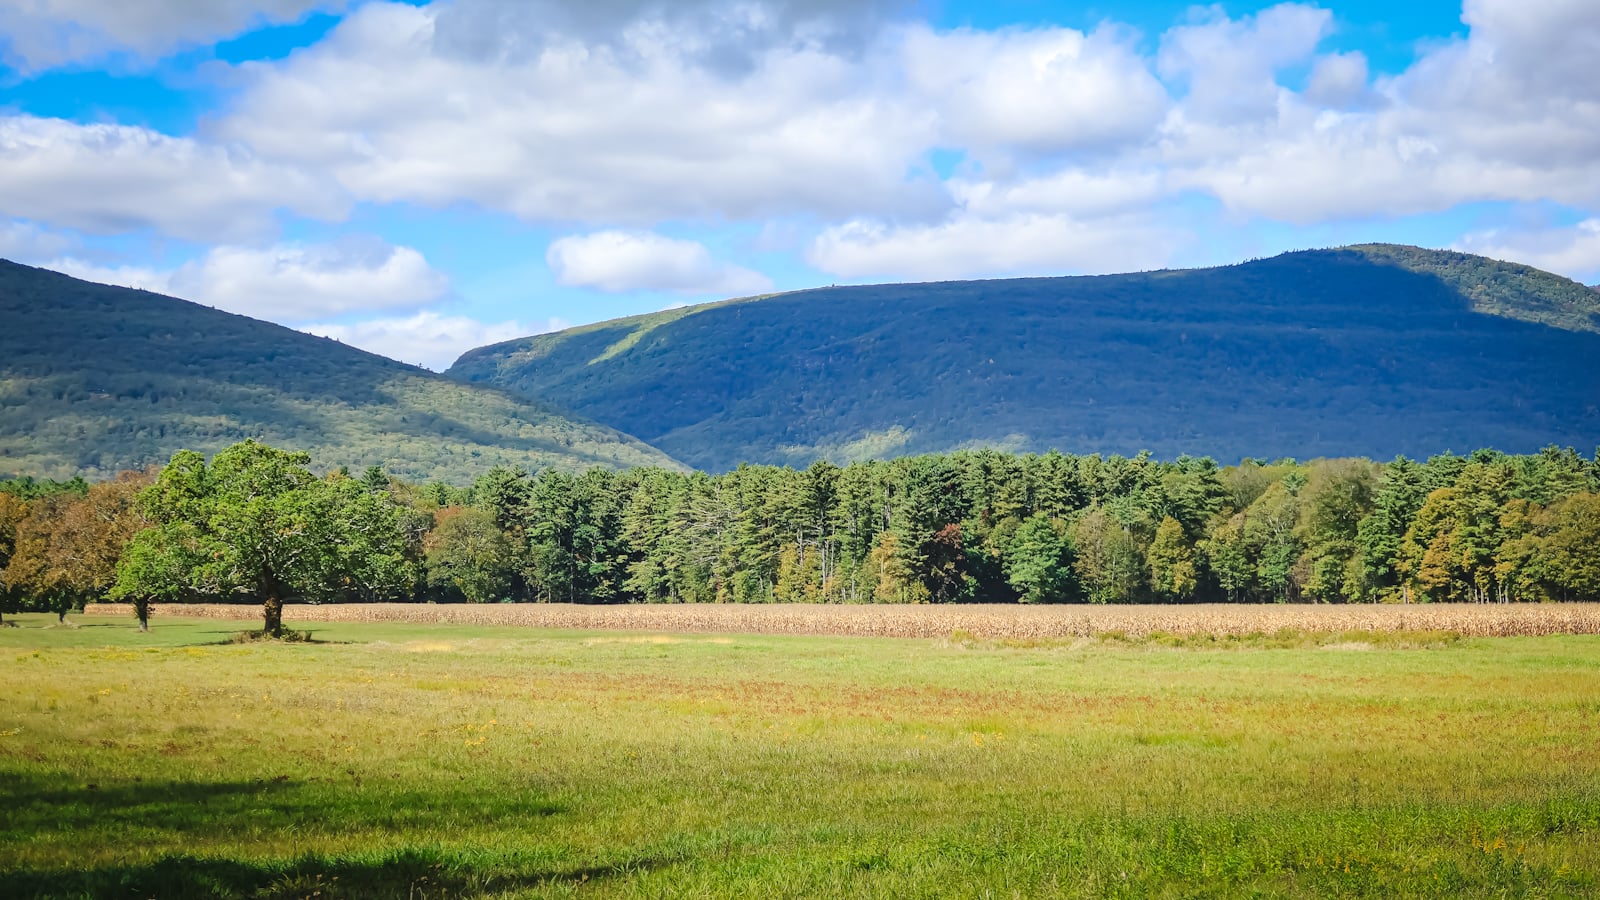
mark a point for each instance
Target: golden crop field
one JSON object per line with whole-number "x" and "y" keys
{"x": 989, "y": 622}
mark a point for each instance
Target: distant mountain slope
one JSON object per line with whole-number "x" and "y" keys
{"x": 96, "y": 378}
{"x": 1371, "y": 350}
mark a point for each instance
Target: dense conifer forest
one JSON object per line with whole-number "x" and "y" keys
{"x": 255, "y": 525}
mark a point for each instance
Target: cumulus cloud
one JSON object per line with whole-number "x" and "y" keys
{"x": 1050, "y": 90}
{"x": 1080, "y": 192}
{"x": 725, "y": 34}
{"x": 37, "y": 34}
{"x": 615, "y": 116}
{"x": 1489, "y": 117}
{"x": 1573, "y": 252}
{"x": 1231, "y": 65}
{"x": 584, "y": 133}
{"x": 24, "y": 242}
{"x": 970, "y": 246}
{"x": 289, "y": 283}
{"x": 1339, "y": 81}
{"x": 644, "y": 261}
{"x": 107, "y": 179}
{"x": 428, "y": 338}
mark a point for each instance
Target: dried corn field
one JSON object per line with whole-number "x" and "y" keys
{"x": 980, "y": 621}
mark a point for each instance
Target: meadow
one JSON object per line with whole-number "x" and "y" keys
{"x": 427, "y": 760}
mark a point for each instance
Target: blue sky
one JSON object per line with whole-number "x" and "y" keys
{"x": 421, "y": 178}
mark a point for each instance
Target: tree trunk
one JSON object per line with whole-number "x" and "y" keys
{"x": 272, "y": 613}
{"x": 142, "y": 610}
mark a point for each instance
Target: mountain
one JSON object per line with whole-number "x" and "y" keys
{"x": 1371, "y": 350}
{"x": 94, "y": 379}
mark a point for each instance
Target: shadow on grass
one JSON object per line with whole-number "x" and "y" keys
{"x": 402, "y": 873}
{"x": 232, "y": 636}
{"x": 46, "y": 810}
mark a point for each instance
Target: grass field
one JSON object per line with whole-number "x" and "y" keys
{"x": 432, "y": 761}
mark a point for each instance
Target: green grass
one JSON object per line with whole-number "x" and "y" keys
{"x": 431, "y": 761}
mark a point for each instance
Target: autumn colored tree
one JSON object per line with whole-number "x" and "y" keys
{"x": 13, "y": 510}
{"x": 1568, "y": 556}
{"x": 893, "y": 578}
{"x": 66, "y": 549}
{"x": 1173, "y": 575}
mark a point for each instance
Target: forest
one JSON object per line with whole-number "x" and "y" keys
{"x": 95, "y": 379}
{"x": 254, "y": 524}
{"x": 1371, "y": 351}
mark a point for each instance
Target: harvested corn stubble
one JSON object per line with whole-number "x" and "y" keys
{"x": 987, "y": 621}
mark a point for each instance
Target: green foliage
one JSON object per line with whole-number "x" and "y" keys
{"x": 967, "y": 526}
{"x": 1039, "y": 561}
{"x": 469, "y": 557}
{"x": 257, "y": 522}
{"x": 1173, "y": 575}
{"x": 97, "y": 379}
{"x": 1367, "y": 351}
{"x": 29, "y": 488}
{"x": 1567, "y": 560}
{"x": 1498, "y": 288}
{"x": 982, "y": 525}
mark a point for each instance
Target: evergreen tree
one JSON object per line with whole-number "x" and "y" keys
{"x": 1038, "y": 561}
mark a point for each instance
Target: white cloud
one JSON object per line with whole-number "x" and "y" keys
{"x": 25, "y": 242}
{"x": 1231, "y": 65}
{"x": 427, "y": 338}
{"x": 645, "y": 261}
{"x": 289, "y": 283}
{"x": 626, "y": 114}
{"x": 1573, "y": 252}
{"x": 722, "y": 34}
{"x": 37, "y": 34}
{"x": 142, "y": 278}
{"x": 1048, "y": 90}
{"x": 1080, "y": 192}
{"x": 1339, "y": 81}
{"x": 637, "y": 132}
{"x": 968, "y": 246}
{"x": 115, "y": 178}
{"x": 614, "y": 116}
{"x": 1496, "y": 116}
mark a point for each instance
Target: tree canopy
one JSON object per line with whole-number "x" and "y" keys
{"x": 256, "y": 522}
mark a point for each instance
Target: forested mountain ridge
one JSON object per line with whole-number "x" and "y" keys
{"x": 95, "y": 379}
{"x": 1372, "y": 350}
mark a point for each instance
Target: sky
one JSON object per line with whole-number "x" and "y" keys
{"x": 418, "y": 179}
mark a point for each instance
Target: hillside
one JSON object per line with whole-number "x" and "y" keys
{"x": 94, "y": 379}
{"x": 1373, "y": 351}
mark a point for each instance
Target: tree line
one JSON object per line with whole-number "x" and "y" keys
{"x": 254, "y": 523}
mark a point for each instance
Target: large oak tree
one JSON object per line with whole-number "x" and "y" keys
{"x": 257, "y": 522}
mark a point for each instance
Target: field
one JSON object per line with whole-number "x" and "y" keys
{"x": 1008, "y": 621}
{"x": 395, "y": 759}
